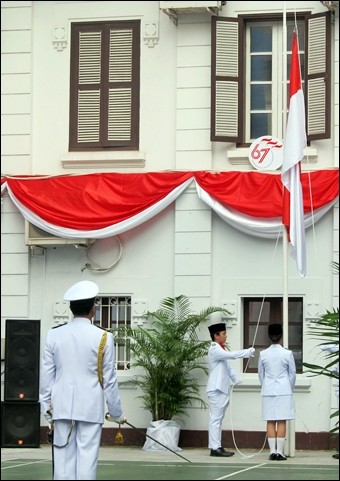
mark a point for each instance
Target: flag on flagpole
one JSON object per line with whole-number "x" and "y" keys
{"x": 293, "y": 144}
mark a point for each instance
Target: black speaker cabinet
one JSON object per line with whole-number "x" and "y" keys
{"x": 22, "y": 360}
{"x": 20, "y": 425}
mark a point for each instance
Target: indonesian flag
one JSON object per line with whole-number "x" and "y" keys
{"x": 293, "y": 145}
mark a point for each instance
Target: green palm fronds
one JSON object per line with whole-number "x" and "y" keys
{"x": 326, "y": 330}
{"x": 170, "y": 355}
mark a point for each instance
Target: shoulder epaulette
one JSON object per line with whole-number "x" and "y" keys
{"x": 60, "y": 325}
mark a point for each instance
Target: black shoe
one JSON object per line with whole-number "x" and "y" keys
{"x": 220, "y": 453}
{"x": 231, "y": 453}
{"x": 280, "y": 457}
{"x": 272, "y": 457}
{"x": 335, "y": 455}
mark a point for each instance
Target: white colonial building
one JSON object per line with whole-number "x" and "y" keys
{"x": 155, "y": 108}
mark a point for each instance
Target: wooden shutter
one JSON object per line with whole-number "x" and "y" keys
{"x": 104, "y": 100}
{"x": 318, "y": 76}
{"x": 226, "y": 55}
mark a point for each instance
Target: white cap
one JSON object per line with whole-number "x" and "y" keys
{"x": 81, "y": 290}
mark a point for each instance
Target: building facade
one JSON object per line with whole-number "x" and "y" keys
{"x": 179, "y": 105}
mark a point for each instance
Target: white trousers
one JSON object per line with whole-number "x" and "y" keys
{"x": 218, "y": 403}
{"x": 78, "y": 459}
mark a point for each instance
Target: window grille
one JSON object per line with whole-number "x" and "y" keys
{"x": 111, "y": 313}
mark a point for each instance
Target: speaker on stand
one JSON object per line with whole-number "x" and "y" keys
{"x": 20, "y": 411}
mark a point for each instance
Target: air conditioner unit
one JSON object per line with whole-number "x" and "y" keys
{"x": 191, "y": 7}
{"x": 38, "y": 237}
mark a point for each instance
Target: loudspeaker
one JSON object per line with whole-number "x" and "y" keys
{"x": 22, "y": 360}
{"x": 20, "y": 425}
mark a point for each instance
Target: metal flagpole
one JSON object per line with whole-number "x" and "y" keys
{"x": 290, "y": 435}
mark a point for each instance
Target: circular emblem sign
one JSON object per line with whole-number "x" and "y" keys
{"x": 266, "y": 153}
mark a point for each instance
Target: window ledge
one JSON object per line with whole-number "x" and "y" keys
{"x": 303, "y": 384}
{"x": 240, "y": 156}
{"x": 94, "y": 160}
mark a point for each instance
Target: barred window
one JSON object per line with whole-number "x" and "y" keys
{"x": 111, "y": 313}
{"x": 259, "y": 313}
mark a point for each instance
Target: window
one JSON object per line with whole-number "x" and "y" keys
{"x": 112, "y": 312}
{"x": 259, "y": 313}
{"x": 104, "y": 90}
{"x": 247, "y": 91}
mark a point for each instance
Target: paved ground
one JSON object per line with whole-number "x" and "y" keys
{"x": 194, "y": 455}
{"x": 132, "y": 463}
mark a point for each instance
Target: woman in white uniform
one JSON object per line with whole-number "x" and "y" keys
{"x": 277, "y": 375}
{"x": 77, "y": 374}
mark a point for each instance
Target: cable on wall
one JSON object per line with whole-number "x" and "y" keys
{"x": 92, "y": 265}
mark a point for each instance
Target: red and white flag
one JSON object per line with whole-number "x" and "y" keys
{"x": 293, "y": 145}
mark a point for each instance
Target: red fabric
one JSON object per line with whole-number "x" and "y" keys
{"x": 260, "y": 194}
{"x": 293, "y": 146}
{"x": 95, "y": 201}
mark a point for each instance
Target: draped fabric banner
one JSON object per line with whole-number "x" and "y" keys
{"x": 106, "y": 204}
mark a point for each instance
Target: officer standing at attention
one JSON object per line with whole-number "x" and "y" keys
{"x": 218, "y": 387}
{"x": 277, "y": 375}
{"x": 77, "y": 375}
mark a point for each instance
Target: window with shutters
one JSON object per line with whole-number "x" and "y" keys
{"x": 104, "y": 88}
{"x": 259, "y": 313}
{"x": 250, "y": 82}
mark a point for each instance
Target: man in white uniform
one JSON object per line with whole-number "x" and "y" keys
{"x": 77, "y": 374}
{"x": 218, "y": 387}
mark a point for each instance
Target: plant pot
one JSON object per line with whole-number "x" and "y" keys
{"x": 166, "y": 432}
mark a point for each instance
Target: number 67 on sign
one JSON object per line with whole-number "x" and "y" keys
{"x": 266, "y": 153}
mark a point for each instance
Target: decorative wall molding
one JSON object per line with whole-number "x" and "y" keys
{"x": 313, "y": 312}
{"x": 230, "y": 319}
{"x": 139, "y": 311}
{"x": 151, "y": 34}
{"x": 59, "y": 38}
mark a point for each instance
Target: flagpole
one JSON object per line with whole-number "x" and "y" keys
{"x": 290, "y": 424}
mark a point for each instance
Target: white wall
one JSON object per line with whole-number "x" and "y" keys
{"x": 186, "y": 249}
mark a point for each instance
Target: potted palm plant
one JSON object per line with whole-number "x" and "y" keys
{"x": 170, "y": 355}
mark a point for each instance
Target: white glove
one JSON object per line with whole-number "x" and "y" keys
{"x": 238, "y": 381}
{"x": 119, "y": 420}
{"x": 48, "y": 417}
{"x": 251, "y": 351}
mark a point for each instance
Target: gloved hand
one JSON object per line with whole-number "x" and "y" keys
{"x": 251, "y": 351}
{"x": 238, "y": 381}
{"x": 119, "y": 420}
{"x": 48, "y": 417}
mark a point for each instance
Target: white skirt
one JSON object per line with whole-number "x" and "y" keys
{"x": 277, "y": 408}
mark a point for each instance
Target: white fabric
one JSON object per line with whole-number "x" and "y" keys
{"x": 218, "y": 387}
{"x": 272, "y": 445}
{"x": 278, "y": 408}
{"x": 112, "y": 230}
{"x": 166, "y": 432}
{"x": 294, "y": 142}
{"x": 277, "y": 375}
{"x": 78, "y": 459}
{"x": 276, "y": 371}
{"x": 271, "y": 228}
{"x": 81, "y": 290}
{"x": 220, "y": 372}
{"x": 218, "y": 403}
{"x": 69, "y": 376}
